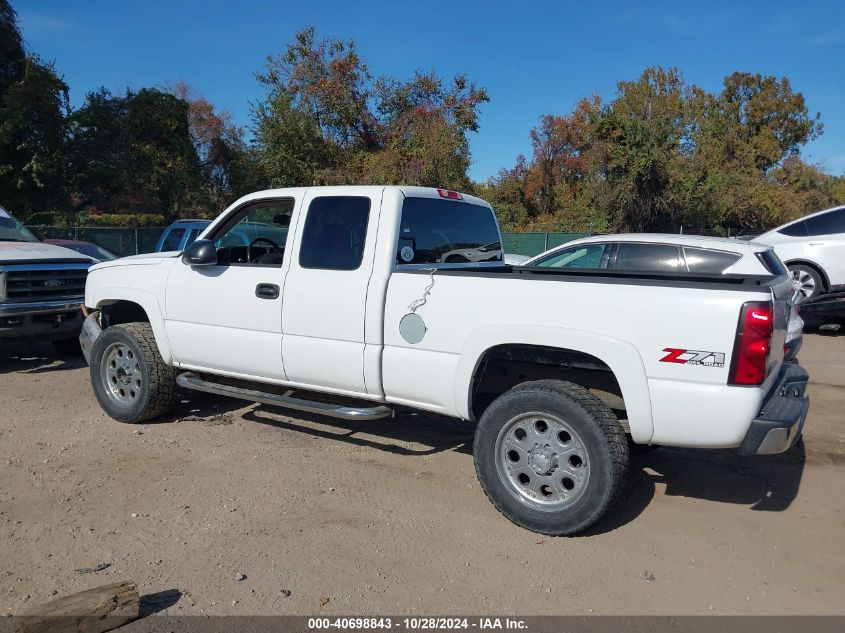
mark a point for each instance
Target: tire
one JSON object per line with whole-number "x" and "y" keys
{"x": 130, "y": 380}
{"x": 68, "y": 346}
{"x": 810, "y": 282}
{"x": 551, "y": 457}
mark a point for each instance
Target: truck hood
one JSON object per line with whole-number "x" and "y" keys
{"x": 12, "y": 252}
{"x": 147, "y": 259}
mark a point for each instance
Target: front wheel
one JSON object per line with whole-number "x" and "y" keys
{"x": 808, "y": 280}
{"x": 130, "y": 380}
{"x": 551, "y": 456}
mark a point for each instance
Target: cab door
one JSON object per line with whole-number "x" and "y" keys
{"x": 325, "y": 291}
{"x": 227, "y": 317}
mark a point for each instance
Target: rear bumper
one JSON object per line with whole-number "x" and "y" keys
{"x": 782, "y": 416}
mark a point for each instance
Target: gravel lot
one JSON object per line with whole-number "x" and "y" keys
{"x": 232, "y": 509}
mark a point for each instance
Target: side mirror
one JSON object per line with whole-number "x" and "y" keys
{"x": 200, "y": 253}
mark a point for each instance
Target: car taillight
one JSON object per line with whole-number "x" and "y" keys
{"x": 753, "y": 340}
{"x": 449, "y": 195}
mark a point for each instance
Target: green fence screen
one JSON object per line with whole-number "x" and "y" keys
{"x": 535, "y": 243}
{"x": 132, "y": 241}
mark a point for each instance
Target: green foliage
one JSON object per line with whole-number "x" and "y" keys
{"x": 33, "y": 127}
{"x": 664, "y": 155}
{"x": 325, "y": 120}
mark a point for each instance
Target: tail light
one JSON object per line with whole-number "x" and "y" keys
{"x": 449, "y": 195}
{"x": 753, "y": 341}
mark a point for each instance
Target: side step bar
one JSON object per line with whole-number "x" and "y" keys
{"x": 189, "y": 380}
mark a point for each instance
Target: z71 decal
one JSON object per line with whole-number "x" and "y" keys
{"x": 693, "y": 357}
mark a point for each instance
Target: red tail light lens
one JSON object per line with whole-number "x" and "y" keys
{"x": 449, "y": 195}
{"x": 753, "y": 341}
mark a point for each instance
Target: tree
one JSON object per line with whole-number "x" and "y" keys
{"x": 326, "y": 120}
{"x": 33, "y": 107}
{"x": 134, "y": 153}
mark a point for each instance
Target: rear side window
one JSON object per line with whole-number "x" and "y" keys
{"x": 584, "y": 256}
{"x": 172, "y": 239}
{"x": 799, "y": 229}
{"x": 703, "y": 260}
{"x": 826, "y": 223}
{"x": 335, "y": 233}
{"x": 435, "y": 231}
{"x": 647, "y": 257}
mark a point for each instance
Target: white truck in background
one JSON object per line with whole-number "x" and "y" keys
{"x": 342, "y": 292}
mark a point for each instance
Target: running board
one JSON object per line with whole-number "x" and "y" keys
{"x": 189, "y": 380}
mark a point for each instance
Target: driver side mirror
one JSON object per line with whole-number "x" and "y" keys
{"x": 200, "y": 253}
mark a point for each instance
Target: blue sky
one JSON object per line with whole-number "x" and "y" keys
{"x": 533, "y": 57}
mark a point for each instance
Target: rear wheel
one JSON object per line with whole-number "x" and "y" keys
{"x": 130, "y": 380}
{"x": 809, "y": 281}
{"x": 550, "y": 456}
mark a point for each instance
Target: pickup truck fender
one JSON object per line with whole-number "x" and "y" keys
{"x": 103, "y": 296}
{"x": 622, "y": 358}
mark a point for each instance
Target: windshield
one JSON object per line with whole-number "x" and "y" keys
{"x": 13, "y": 231}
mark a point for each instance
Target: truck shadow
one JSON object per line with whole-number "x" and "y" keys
{"x": 766, "y": 483}
{"x": 36, "y": 359}
{"x": 432, "y": 434}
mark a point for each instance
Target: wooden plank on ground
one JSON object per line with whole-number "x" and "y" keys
{"x": 91, "y": 611}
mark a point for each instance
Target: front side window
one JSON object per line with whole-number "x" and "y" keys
{"x": 647, "y": 258}
{"x": 435, "y": 231}
{"x": 256, "y": 235}
{"x": 335, "y": 233}
{"x": 703, "y": 260}
{"x": 828, "y": 223}
{"x": 584, "y": 256}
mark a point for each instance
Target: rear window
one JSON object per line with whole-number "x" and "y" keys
{"x": 703, "y": 260}
{"x": 437, "y": 231}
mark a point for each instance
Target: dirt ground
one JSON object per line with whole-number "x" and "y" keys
{"x": 231, "y": 509}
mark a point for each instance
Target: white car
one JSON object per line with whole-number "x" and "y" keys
{"x": 665, "y": 253}
{"x": 662, "y": 253}
{"x": 813, "y": 248}
{"x": 355, "y": 314}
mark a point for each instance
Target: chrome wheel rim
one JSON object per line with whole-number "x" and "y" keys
{"x": 121, "y": 373}
{"x": 542, "y": 461}
{"x": 806, "y": 285}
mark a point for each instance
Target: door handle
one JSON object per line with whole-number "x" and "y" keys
{"x": 267, "y": 291}
{"x": 816, "y": 243}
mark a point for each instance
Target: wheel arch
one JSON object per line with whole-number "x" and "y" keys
{"x": 814, "y": 266}
{"x": 558, "y": 351}
{"x": 122, "y": 305}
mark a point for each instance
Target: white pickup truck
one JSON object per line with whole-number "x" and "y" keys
{"x": 341, "y": 304}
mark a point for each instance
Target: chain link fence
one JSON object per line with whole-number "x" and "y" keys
{"x": 120, "y": 241}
